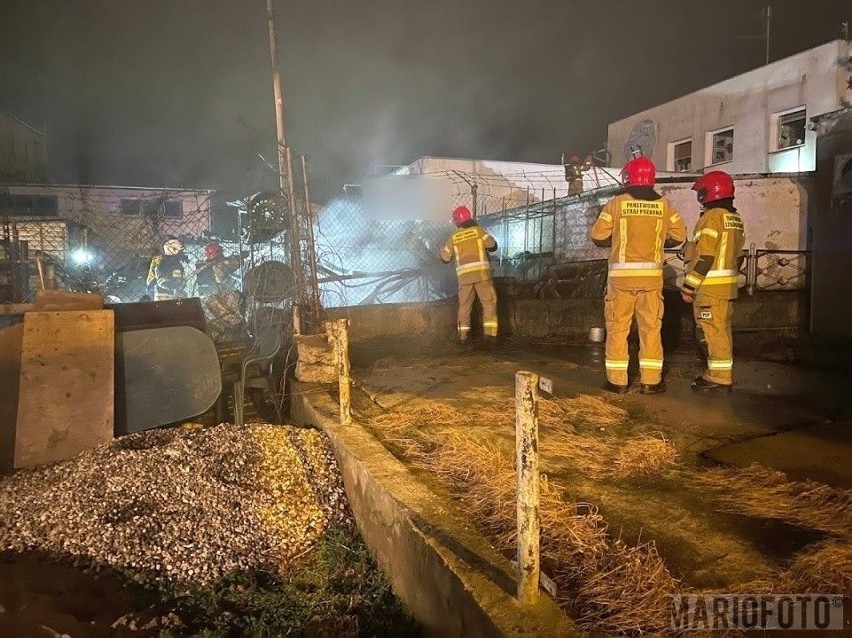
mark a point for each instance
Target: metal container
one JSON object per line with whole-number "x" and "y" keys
{"x": 597, "y": 335}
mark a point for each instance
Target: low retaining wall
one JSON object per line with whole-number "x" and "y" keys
{"x": 450, "y": 578}
{"x": 565, "y": 318}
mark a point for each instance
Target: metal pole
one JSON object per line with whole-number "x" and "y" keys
{"x": 473, "y": 189}
{"x": 312, "y": 251}
{"x": 768, "y": 23}
{"x": 751, "y": 270}
{"x": 553, "y": 227}
{"x": 526, "y": 448}
{"x": 341, "y": 346}
{"x": 541, "y": 236}
{"x": 526, "y": 233}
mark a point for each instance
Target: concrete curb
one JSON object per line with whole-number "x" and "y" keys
{"x": 448, "y": 575}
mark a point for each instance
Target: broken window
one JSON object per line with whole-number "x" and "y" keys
{"x": 682, "y": 156}
{"x": 790, "y": 129}
{"x": 722, "y": 146}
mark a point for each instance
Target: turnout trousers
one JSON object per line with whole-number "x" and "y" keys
{"x": 487, "y": 297}
{"x": 621, "y": 304}
{"x": 713, "y": 319}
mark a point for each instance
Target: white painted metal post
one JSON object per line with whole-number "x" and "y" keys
{"x": 526, "y": 447}
{"x": 341, "y": 345}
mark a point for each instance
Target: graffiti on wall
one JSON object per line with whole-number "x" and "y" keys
{"x": 643, "y": 137}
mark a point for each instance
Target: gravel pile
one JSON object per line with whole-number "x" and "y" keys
{"x": 180, "y": 504}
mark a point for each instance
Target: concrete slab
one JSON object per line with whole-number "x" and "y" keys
{"x": 822, "y": 453}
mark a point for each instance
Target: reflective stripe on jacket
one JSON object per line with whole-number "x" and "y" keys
{"x": 713, "y": 256}
{"x": 639, "y": 230}
{"x": 469, "y": 246}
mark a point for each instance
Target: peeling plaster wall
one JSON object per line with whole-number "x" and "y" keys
{"x": 815, "y": 79}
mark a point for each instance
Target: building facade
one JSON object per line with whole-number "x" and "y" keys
{"x": 756, "y": 122}
{"x": 23, "y": 154}
{"x": 114, "y": 222}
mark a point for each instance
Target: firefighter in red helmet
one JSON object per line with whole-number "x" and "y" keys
{"x": 638, "y": 224}
{"x": 469, "y": 246}
{"x": 711, "y": 280}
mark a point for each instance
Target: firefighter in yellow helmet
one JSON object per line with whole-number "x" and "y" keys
{"x": 711, "y": 279}
{"x": 469, "y": 246}
{"x": 166, "y": 274}
{"x": 638, "y": 223}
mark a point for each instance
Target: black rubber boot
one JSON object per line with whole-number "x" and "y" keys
{"x": 615, "y": 389}
{"x": 657, "y": 388}
{"x": 703, "y": 385}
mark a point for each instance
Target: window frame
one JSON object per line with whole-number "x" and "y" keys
{"x": 671, "y": 158}
{"x": 775, "y": 129}
{"x": 709, "y": 145}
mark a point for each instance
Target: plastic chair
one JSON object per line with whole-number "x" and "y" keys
{"x": 266, "y": 346}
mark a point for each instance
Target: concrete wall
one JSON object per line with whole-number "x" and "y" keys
{"x": 453, "y": 582}
{"x": 561, "y": 318}
{"x": 776, "y": 210}
{"x": 23, "y": 154}
{"x": 814, "y": 79}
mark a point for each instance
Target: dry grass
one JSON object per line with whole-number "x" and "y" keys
{"x": 601, "y": 457}
{"x": 607, "y": 584}
{"x": 824, "y": 568}
{"x": 604, "y": 583}
{"x": 765, "y": 493}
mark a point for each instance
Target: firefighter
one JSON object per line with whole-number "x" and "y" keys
{"x": 469, "y": 245}
{"x": 711, "y": 279}
{"x": 214, "y": 273}
{"x": 167, "y": 274}
{"x": 638, "y": 224}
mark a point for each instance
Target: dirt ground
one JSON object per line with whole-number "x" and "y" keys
{"x": 704, "y": 544}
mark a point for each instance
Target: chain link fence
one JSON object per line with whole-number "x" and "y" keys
{"x": 102, "y": 239}
{"x": 541, "y": 224}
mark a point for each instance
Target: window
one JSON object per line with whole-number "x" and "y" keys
{"x": 129, "y": 206}
{"x": 151, "y": 209}
{"x": 24, "y": 204}
{"x": 720, "y": 146}
{"x": 173, "y": 209}
{"x": 788, "y": 129}
{"x": 47, "y": 205}
{"x": 681, "y": 156}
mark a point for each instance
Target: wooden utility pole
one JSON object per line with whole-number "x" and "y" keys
{"x": 279, "y": 96}
{"x": 285, "y": 169}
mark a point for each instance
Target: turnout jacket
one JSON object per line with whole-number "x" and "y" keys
{"x": 639, "y": 230}
{"x": 469, "y": 245}
{"x": 167, "y": 274}
{"x": 713, "y": 256}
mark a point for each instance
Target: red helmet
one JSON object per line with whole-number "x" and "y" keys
{"x": 212, "y": 251}
{"x": 714, "y": 186}
{"x": 461, "y": 215}
{"x": 639, "y": 172}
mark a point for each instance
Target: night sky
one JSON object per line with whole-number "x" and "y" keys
{"x": 178, "y": 92}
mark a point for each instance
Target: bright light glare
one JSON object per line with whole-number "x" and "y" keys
{"x": 81, "y": 256}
